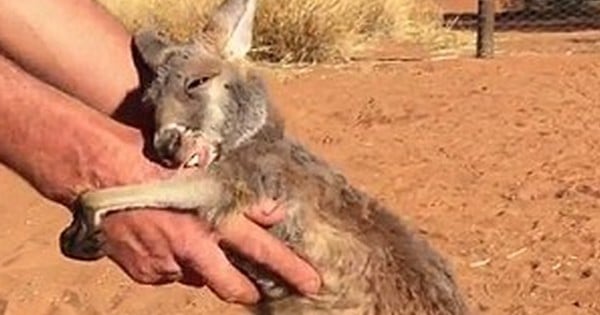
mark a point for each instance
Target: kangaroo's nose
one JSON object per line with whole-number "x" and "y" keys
{"x": 166, "y": 143}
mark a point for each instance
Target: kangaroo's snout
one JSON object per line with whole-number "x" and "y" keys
{"x": 167, "y": 142}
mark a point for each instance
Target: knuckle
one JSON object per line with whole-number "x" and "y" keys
{"x": 178, "y": 238}
{"x": 187, "y": 246}
{"x": 262, "y": 254}
{"x": 183, "y": 250}
{"x": 159, "y": 255}
{"x": 144, "y": 274}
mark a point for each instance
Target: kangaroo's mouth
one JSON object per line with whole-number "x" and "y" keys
{"x": 182, "y": 147}
{"x": 196, "y": 150}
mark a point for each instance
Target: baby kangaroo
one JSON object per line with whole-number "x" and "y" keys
{"x": 213, "y": 113}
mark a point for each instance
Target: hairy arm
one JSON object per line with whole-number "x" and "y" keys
{"x": 60, "y": 146}
{"x": 74, "y": 45}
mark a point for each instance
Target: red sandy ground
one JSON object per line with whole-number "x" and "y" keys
{"x": 496, "y": 161}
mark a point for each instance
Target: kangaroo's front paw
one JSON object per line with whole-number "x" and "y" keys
{"x": 271, "y": 289}
{"x": 81, "y": 240}
{"x": 270, "y": 286}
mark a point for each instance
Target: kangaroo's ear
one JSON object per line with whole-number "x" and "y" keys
{"x": 154, "y": 47}
{"x": 230, "y": 28}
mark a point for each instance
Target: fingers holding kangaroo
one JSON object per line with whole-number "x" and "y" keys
{"x": 158, "y": 247}
{"x": 140, "y": 243}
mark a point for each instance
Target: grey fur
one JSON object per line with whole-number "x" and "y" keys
{"x": 370, "y": 261}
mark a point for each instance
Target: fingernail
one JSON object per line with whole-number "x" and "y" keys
{"x": 269, "y": 211}
{"x": 248, "y": 299}
{"x": 311, "y": 286}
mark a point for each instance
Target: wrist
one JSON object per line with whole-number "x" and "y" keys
{"x": 115, "y": 160}
{"x": 109, "y": 160}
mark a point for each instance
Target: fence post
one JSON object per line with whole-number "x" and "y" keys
{"x": 485, "y": 28}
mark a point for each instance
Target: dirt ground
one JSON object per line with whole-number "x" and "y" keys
{"x": 495, "y": 161}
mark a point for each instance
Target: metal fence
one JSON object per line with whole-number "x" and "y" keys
{"x": 496, "y": 16}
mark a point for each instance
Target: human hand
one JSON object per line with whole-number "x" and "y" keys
{"x": 158, "y": 247}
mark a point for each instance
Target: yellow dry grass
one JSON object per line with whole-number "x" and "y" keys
{"x": 299, "y": 31}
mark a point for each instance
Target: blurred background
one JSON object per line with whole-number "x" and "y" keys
{"x": 309, "y": 31}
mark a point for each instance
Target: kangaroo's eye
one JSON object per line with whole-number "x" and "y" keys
{"x": 195, "y": 83}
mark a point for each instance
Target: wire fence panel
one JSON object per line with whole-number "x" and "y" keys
{"x": 561, "y": 15}
{"x": 527, "y": 20}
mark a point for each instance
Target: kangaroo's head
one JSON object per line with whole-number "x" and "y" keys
{"x": 202, "y": 94}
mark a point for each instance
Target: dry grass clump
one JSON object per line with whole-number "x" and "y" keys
{"x": 317, "y": 30}
{"x": 297, "y": 31}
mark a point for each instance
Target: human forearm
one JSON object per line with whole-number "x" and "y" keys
{"x": 58, "y": 145}
{"x": 74, "y": 45}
